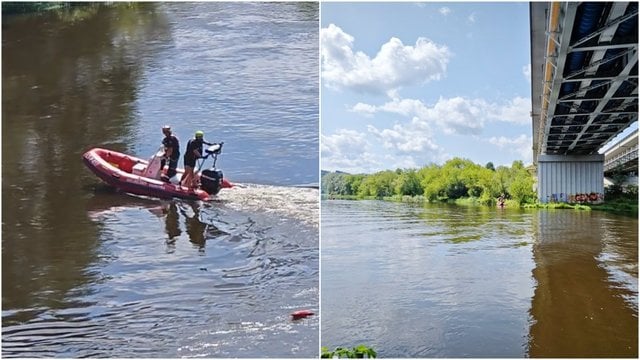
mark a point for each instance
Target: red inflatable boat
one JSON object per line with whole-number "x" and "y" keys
{"x": 141, "y": 177}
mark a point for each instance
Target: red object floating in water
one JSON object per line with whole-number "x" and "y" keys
{"x": 301, "y": 314}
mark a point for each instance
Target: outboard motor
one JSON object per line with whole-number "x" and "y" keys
{"x": 211, "y": 179}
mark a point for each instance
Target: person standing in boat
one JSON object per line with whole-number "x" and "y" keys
{"x": 171, "y": 152}
{"x": 191, "y": 154}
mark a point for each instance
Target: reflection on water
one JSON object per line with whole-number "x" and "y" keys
{"x": 586, "y": 298}
{"x": 434, "y": 281}
{"x": 87, "y": 272}
{"x": 65, "y": 87}
{"x": 448, "y": 281}
{"x": 195, "y": 228}
{"x": 171, "y": 211}
{"x": 197, "y": 279}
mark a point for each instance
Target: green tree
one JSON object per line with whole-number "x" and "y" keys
{"x": 382, "y": 184}
{"x": 616, "y": 189}
{"x": 431, "y": 181}
{"x": 334, "y": 183}
{"x": 490, "y": 166}
{"x": 472, "y": 175}
{"x": 456, "y": 178}
{"x": 378, "y": 185}
{"x": 407, "y": 183}
{"x": 517, "y": 165}
{"x": 453, "y": 173}
{"x": 521, "y": 184}
{"x": 501, "y": 181}
{"x": 353, "y": 183}
{"x": 521, "y": 189}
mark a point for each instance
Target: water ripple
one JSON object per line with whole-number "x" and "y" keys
{"x": 448, "y": 281}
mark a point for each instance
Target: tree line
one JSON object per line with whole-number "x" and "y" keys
{"x": 455, "y": 179}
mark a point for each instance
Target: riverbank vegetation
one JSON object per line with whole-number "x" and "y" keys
{"x": 357, "y": 352}
{"x": 453, "y": 181}
{"x": 463, "y": 182}
{"x": 619, "y": 198}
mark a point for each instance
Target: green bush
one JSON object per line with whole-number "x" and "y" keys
{"x": 357, "y": 352}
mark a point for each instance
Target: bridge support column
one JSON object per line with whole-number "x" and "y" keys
{"x": 571, "y": 178}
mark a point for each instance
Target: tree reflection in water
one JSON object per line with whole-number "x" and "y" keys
{"x": 68, "y": 84}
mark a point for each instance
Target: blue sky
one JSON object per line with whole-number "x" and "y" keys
{"x": 407, "y": 84}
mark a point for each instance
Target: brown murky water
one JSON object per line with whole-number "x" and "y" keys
{"x": 585, "y": 303}
{"x": 87, "y": 272}
{"x": 448, "y": 281}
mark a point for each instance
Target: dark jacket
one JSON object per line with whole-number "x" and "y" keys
{"x": 171, "y": 141}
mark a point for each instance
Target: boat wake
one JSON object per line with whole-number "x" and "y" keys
{"x": 299, "y": 203}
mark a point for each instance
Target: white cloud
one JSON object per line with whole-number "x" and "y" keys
{"x": 400, "y": 162}
{"x": 402, "y": 146}
{"x": 460, "y": 116}
{"x": 413, "y": 144}
{"x": 516, "y": 111}
{"x": 344, "y": 140}
{"x": 520, "y": 146}
{"x": 526, "y": 71}
{"x": 454, "y": 115}
{"x": 394, "y": 66}
{"x": 414, "y": 137}
{"x": 364, "y": 109}
{"x": 444, "y": 10}
{"x": 406, "y": 107}
{"x": 471, "y": 18}
{"x": 348, "y": 150}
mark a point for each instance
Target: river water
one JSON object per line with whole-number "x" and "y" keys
{"x": 89, "y": 272}
{"x": 449, "y": 281}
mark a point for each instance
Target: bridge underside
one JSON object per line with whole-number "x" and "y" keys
{"x": 584, "y": 74}
{"x": 584, "y": 68}
{"x": 626, "y": 164}
{"x": 623, "y": 156}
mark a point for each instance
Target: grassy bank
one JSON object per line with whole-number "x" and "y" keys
{"x": 419, "y": 199}
{"x": 556, "y": 206}
{"x": 622, "y": 206}
{"x": 339, "y": 197}
{"x": 619, "y": 206}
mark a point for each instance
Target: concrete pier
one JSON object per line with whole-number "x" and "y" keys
{"x": 571, "y": 178}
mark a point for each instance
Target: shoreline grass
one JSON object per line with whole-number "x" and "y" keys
{"x": 620, "y": 206}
